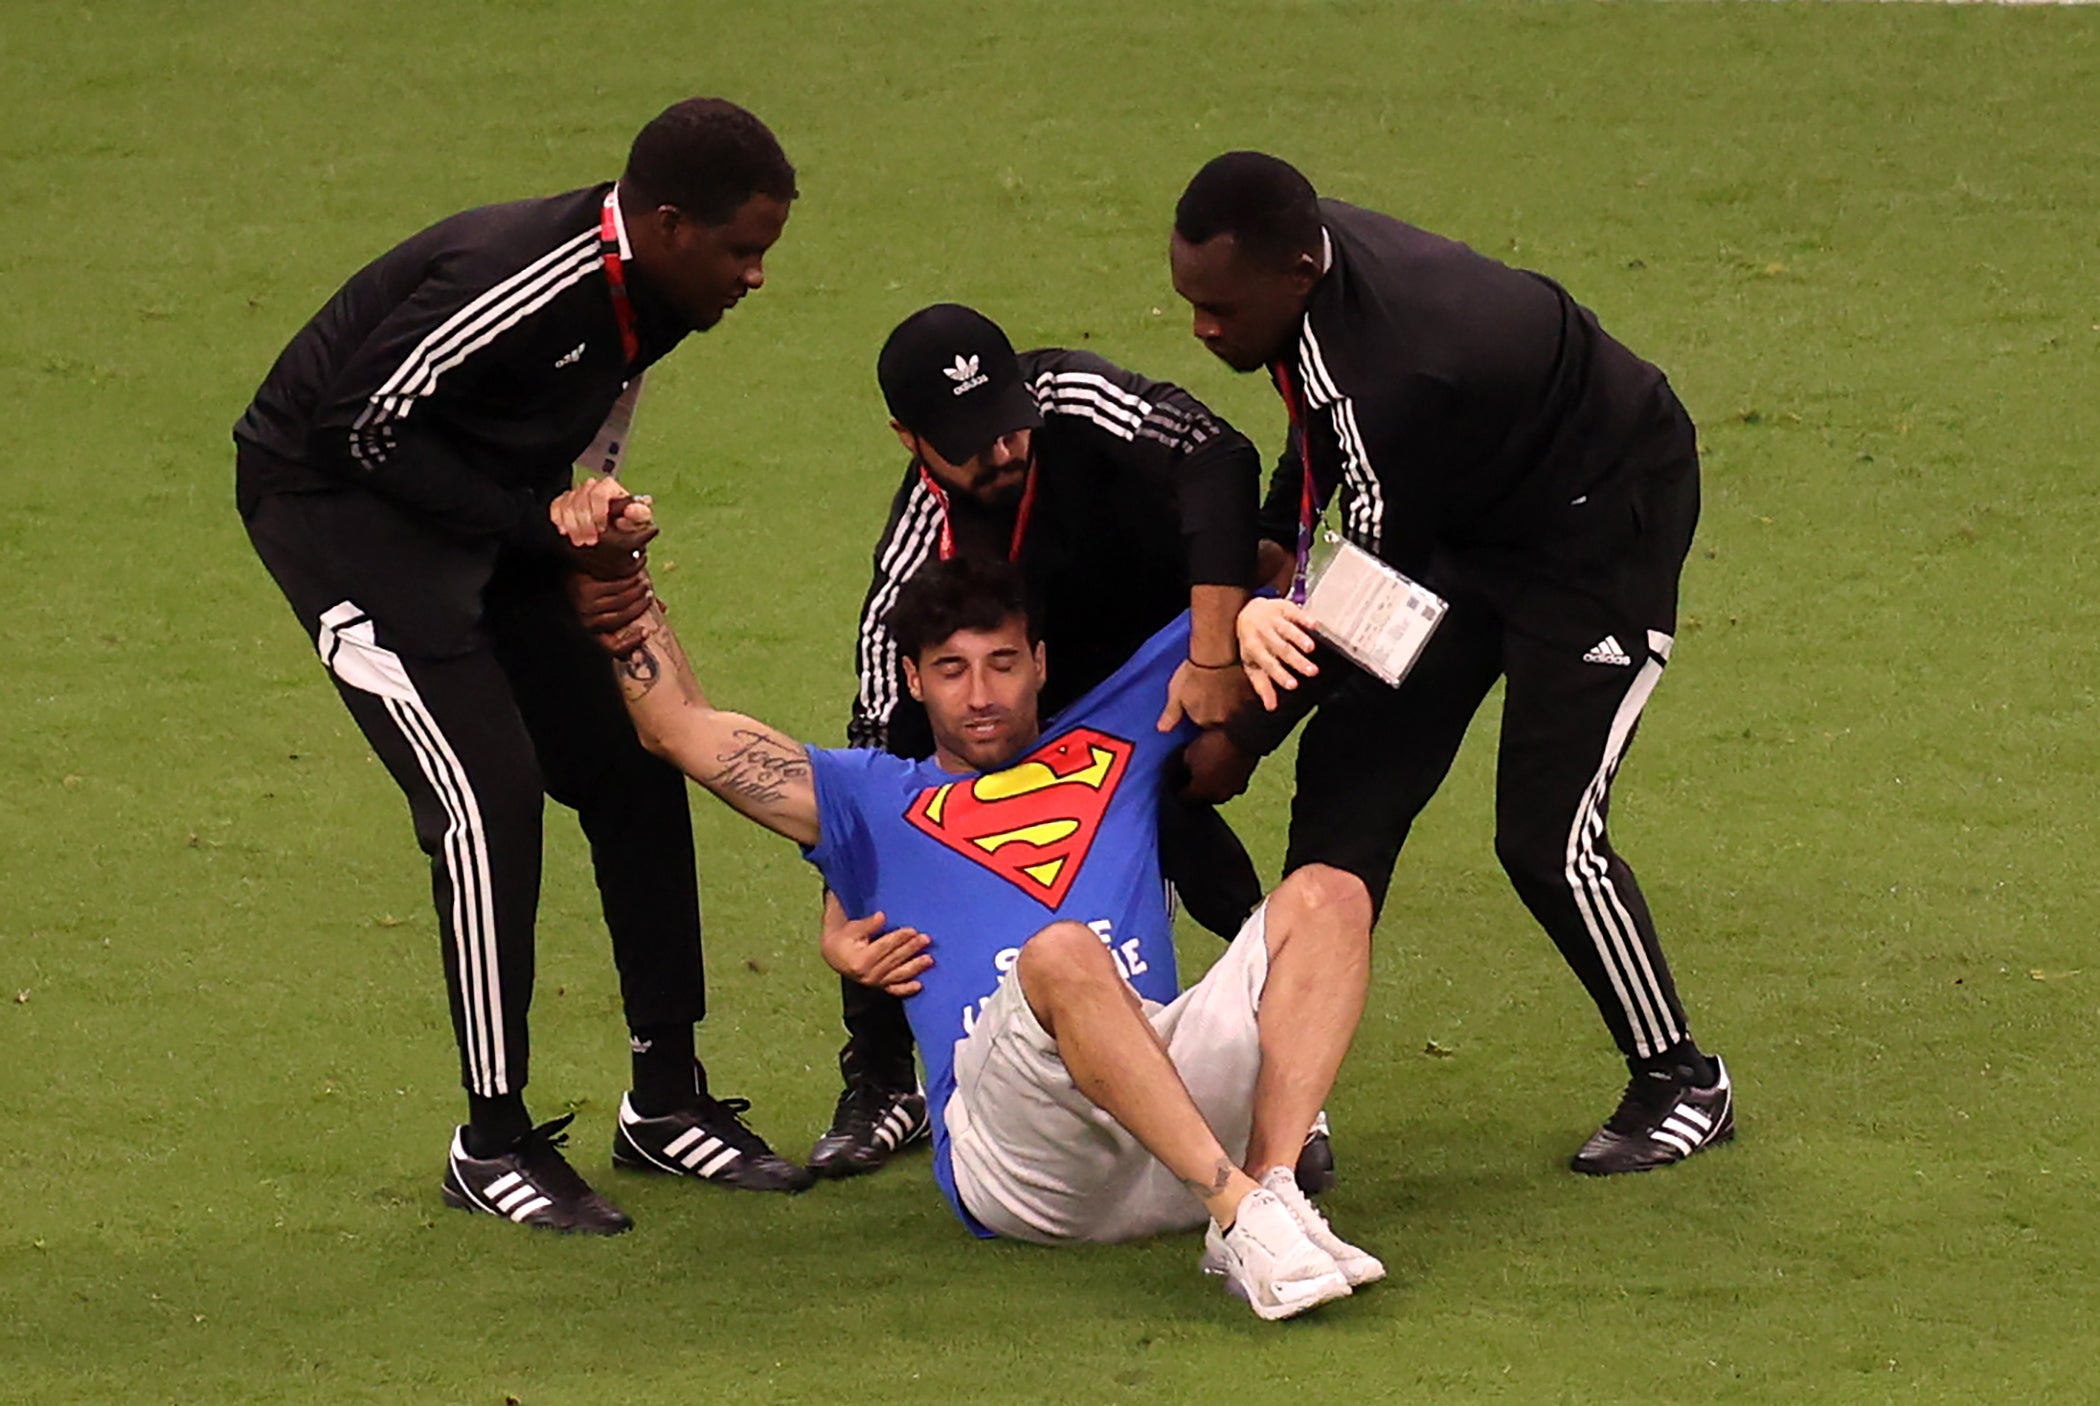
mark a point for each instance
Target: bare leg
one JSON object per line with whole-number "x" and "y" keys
{"x": 1116, "y": 1059}
{"x": 1319, "y": 936}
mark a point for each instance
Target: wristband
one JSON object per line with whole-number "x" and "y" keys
{"x": 1228, "y": 664}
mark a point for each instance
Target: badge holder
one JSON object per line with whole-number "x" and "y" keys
{"x": 1372, "y": 614}
{"x": 609, "y": 446}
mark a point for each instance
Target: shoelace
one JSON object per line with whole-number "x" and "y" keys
{"x": 539, "y": 1153}
{"x": 738, "y": 1134}
{"x": 1645, "y": 1097}
{"x": 553, "y": 1132}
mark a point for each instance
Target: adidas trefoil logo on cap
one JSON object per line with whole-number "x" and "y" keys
{"x": 1607, "y": 651}
{"x": 965, "y": 374}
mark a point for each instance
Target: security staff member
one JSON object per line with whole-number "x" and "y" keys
{"x": 394, "y": 472}
{"x": 1124, "y": 501}
{"x": 1474, "y": 427}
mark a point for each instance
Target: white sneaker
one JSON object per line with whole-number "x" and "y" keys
{"x": 1268, "y": 1260}
{"x": 1359, "y": 1267}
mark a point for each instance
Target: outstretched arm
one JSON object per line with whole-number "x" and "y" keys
{"x": 760, "y": 772}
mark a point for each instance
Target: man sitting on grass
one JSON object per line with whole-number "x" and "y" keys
{"x": 1009, "y": 889}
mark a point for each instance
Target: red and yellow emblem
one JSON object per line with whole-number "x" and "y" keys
{"x": 1033, "y": 823}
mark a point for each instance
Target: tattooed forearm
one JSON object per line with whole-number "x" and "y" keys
{"x": 759, "y": 772}
{"x": 1220, "y": 1177}
{"x": 655, "y": 657}
{"x": 759, "y": 767}
{"x": 640, "y": 670}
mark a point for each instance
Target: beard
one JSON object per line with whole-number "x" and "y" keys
{"x": 1001, "y": 488}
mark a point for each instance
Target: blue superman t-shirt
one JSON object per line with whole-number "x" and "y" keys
{"x": 981, "y": 863}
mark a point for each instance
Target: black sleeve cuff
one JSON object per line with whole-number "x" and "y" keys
{"x": 1219, "y": 488}
{"x": 1258, "y": 732}
{"x": 534, "y": 533}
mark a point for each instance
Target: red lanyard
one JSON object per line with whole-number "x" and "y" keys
{"x": 940, "y": 495}
{"x": 616, "y": 279}
{"x": 1306, "y": 510}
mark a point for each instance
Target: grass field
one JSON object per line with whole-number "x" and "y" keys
{"x": 1862, "y": 240}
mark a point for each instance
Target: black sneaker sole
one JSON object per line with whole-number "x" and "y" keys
{"x": 1598, "y": 1169}
{"x": 458, "y": 1201}
{"x": 841, "y": 1167}
{"x": 783, "y": 1179}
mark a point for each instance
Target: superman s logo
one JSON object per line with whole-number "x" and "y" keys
{"x": 1033, "y": 823}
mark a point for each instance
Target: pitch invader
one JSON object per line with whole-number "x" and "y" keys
{"x": 1008, "y": 891}
{"x": 1123, "y": 501}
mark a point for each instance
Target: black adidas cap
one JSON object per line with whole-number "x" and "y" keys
{"x": 950, "y": 376}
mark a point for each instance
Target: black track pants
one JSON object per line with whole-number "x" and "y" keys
{"x": 1581, "y": 635}
{"x": 475, "y": 685}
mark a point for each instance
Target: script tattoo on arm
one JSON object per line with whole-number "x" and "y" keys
{"x": 761, "y": 773}
{"x": 759, "y": 767}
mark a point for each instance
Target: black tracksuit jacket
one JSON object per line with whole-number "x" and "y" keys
{"x": 460, "y": 374}
{"x": 1141, "y": 493}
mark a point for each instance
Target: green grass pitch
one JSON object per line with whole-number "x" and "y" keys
{"x": 1861, "y": 239}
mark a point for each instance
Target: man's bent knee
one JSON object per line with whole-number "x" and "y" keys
{"x": 1532, "y": 859}
{"x": 1323, "y": 890}
{"x": 1062, "y": 959}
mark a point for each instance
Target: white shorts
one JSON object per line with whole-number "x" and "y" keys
{"x": 1035, "y": 1159}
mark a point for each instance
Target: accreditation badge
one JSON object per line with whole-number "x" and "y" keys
{"x": 609, "y": 447}
{"x": 1371, "y": 613}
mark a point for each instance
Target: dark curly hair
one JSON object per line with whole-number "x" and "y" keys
{"x": 1263, "y": 202}
{"x": 961, "y": 593}
{"x": 707, "y": 156}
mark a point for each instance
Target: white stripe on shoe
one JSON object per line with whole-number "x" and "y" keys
{"x": 895, "y": 1124}
{"x": 511, "y": 1199}
{"x": 720, "y": 1162}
